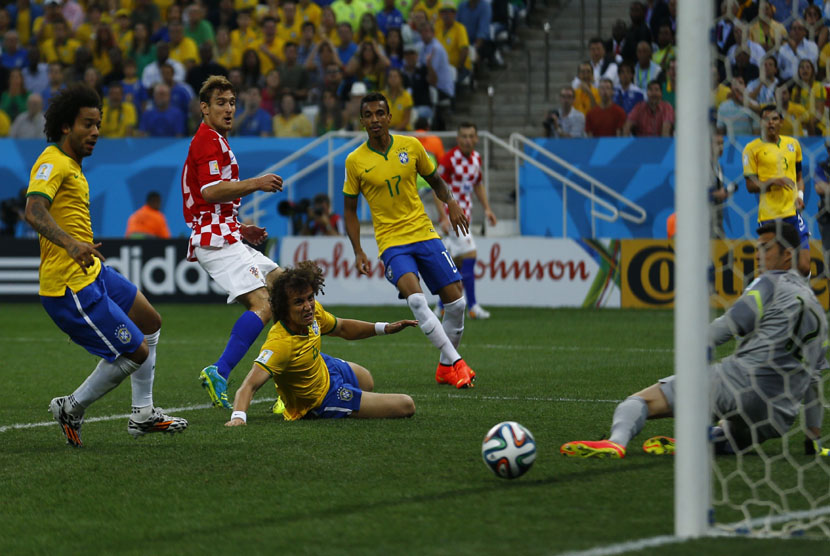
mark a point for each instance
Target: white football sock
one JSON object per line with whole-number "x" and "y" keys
{"x": 431, "y": 326}
{"x": 629, "y": 419}
{"x": 453, "y": 322}
{"x": 142, "y": 380}
{"x": 104, "y": 378}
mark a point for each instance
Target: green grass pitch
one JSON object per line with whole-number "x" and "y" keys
{"x": 415, "y": 486}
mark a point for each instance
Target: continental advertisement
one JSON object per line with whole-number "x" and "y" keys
{"x": 648, "y": 277}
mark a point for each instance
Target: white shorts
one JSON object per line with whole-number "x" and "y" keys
{"x": 459, "y": 245}
{"x": 237, "y": 268}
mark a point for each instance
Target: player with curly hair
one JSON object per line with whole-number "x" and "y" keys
{"x": 96, "y": 306}
{"x": 311, "y": 383}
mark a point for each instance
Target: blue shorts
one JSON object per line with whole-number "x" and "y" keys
{"x": 344, "y": 394}
{"x": 96, "y": 317}
{"x": 799, "y": 225}
{"x": 429, "y": 257}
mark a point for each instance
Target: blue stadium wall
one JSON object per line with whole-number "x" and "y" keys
{"x": 643, "y": 171}
{"x": 123, "y": 171}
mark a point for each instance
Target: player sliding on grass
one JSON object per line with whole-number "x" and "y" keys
{"x": 211, "y": 193}
{"x": 384, "y": 170}
{"x": 311, "y": 383}
{"x": 96, "y": 306}
{"x": 756, "y": 391}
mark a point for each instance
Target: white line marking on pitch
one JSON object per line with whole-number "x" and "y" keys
{"x": 505, "y": 347}
{"x": 628, "y": 546}
{"x": 174, "y": 410}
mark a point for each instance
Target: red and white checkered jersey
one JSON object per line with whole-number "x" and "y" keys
{"x": 209, "y": 161}
{"x": 461, "y": 173}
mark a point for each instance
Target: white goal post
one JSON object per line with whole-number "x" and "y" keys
{"x": 692, "y": 483}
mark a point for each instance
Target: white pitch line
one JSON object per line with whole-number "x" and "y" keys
{"x": 504, "y": 347}
{"x": 18, "y": 426}
{"x": 628, "y": 546}
{"x": 117, "y": 417}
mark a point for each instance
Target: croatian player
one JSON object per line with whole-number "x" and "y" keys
{"x": 212, "y": 190}
{"x": 757, "y": 391}
{"x": 772, "y": 168}
{"x": 311, "y": 383}
{"x": 384, "y": 170}
{"x": 95, "y": 306}
{"x": 460, "y": 167}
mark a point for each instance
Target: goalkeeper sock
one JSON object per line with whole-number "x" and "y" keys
{"x": 142, "y": 380}
{"x": 468, "y": 278}
{"x": 453, "y": 322}
{"x": 629, "y": 419}
{"x": 432, "y": 328}
{"x": 104, "y": 378}
{"x": 244, "y": 333}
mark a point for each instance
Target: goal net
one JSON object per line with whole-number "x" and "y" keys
{"x": 773, "y": 480}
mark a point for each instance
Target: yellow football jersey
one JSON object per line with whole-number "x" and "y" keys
{"x": 59, "y": 178}
{"x": 388, "y": 182}
{"x": 295, "y": 364}
{"x": 774, "y": 160}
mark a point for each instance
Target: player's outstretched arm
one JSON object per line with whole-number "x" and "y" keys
{"x": 225, "y": 191}
{"x": 38, "y": 217}
{"x": 242, "y": 401}
{"x": 350, "y": 329}
{"x": 361, "y": 261}
{"x": 457, "y": 217}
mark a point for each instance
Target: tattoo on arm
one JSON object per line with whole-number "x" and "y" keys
{"x": 438, "y": 185}
{"x": 44, "y": 224}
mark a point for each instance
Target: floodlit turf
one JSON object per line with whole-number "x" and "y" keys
{"x": 415, "y": 486}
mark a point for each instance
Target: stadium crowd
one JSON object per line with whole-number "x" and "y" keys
{"x": 768, "y": 52}
{"x": 299, "y": 66}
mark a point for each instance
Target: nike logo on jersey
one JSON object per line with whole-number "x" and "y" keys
{"x": 367, "y": 170}
{"x": 76, "y": 176}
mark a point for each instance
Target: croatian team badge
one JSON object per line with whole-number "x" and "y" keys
{"x": 123, "y": 334}
{"x": 403, "y": 157}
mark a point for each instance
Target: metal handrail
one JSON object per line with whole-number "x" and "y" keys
{"x": 595, "y": 200}
{"x": 639, "y": 214}
{"x": 251, "y": 208}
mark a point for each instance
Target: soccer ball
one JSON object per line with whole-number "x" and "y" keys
{"x": 509, "y": 450}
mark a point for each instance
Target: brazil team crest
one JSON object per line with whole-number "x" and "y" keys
{"x": 791, "y": 148}
{"x": 344, "y": 394}
{"x": 123, "y": 334}
{"x": 315, "y": 327}
{"x": 403, "y": 157}
{"x": 389, "y": 274}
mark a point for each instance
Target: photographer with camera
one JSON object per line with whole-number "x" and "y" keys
{"x": 321, "y": 221}
{"x": 567, "y": 121}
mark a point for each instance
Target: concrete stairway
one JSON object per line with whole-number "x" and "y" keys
{"x": 519, "y": 103}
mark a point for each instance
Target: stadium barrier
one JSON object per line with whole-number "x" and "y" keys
{"x": 513, "y": 271}
{"x": 647, "y": 272}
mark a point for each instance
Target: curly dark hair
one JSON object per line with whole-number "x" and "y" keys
{"x": 293, "y": 279}
{"x": 65, "y": 107}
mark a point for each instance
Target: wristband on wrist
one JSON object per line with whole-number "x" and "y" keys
{"x": 801, "y": 194}
{"x": 239, "y": 415}
{"x": 380, "y": 328}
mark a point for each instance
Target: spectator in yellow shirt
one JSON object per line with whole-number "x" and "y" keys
{"x": 119, "y": 118}
{"x": 288, "y": 29}
{"x": 290, "y": 123}
{"x": 182, "y": 49}
{"x": 453, "y": 37}
{"x": 243, "y": 36}
{"x": 60, "y": 48}
{"x": 309, "y": 11}
{"x": 586, "y": 96}
{"x": 431, "y": 7}
{"x": 224, "y": 52}
{"x": 400, "y": 101}
{"x": 270, "y": 47}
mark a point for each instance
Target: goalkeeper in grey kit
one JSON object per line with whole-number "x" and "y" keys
{"x": 757, "y": 391}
